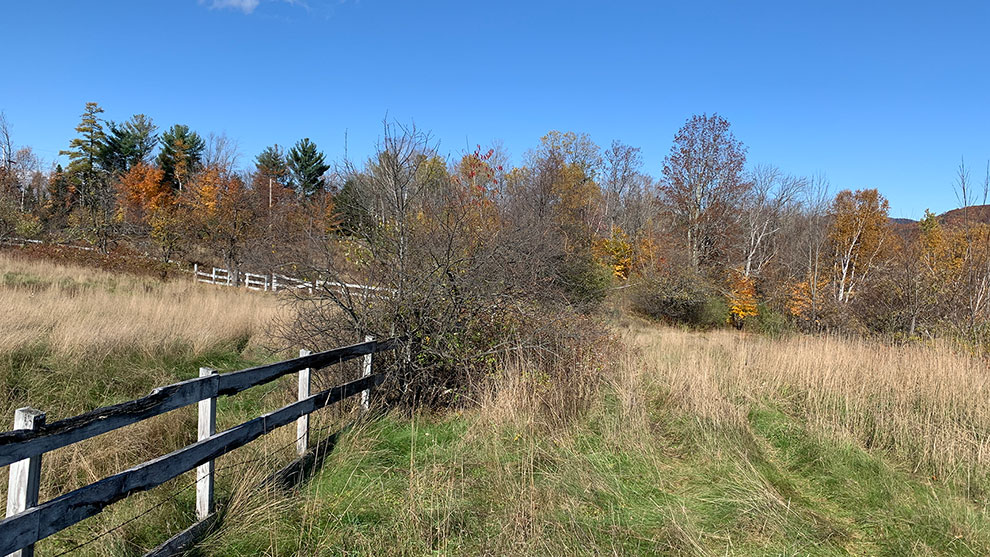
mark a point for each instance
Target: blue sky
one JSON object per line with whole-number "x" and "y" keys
{"x": 874, "y": 94}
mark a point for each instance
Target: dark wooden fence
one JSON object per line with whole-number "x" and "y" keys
{"x": 29, "y": 521}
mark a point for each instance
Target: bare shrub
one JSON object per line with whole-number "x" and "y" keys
{"x": 445, "y": 267}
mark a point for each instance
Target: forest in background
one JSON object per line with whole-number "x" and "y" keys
{"x": 709, "y": 241}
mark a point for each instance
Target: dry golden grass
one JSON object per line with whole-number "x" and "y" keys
{"x": 77, "y": 311}
{"x": 927, "y": 403}
{"x": 74, "y": 338}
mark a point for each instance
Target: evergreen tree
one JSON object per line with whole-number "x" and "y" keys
{"x": 84, "y": 153}
{"x": 181, "y": 155}
{"x": 307, "y": 167}
{"x": 272, "y": 165}
{"x": 129, "y": 143}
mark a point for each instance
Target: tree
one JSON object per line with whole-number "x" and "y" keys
{"x": 181, "y": 155}
{"x": 622, "y": 164}
{"x": 20, "y": 171}
{"x": 271, "y": 176}
{"x": 221, "y": 215}
{"x": 742, "y": 298}
{"x": 307, "y": 167}
{"x": 147, "y": 201}
{"x": 84, "y": 154}
{"x": 703, "y": 185}
{"x": 975, "y": 263}
{"x": 93, "y": 217}
{"x": 128, "y": 144}
{"x": 271, "y": 164}
{"x": 61, "y": 199}
{"x": 6, "y": 158}
{"x": 763, "y": 210}
{"x": 859, "y": 233}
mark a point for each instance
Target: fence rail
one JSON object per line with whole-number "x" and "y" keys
{"x": 28, "y": 522}
{"x": 275, "y": 282}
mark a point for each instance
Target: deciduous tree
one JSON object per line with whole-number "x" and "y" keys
{"x": 859, "y": 233}
{"x": 703, "y": 185}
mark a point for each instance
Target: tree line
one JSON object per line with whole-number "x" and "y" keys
{"x": 709, "y": 241}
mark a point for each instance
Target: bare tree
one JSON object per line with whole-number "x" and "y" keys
{"x": 6, "y": 143}
{"x": 764, "y": 209}
{"x": 703, "y": 185}
{"x": 976, "y": 257}
{"x": 622, "y": 164}
{"x": 439, "y": 262}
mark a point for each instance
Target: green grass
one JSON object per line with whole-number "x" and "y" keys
{"x": 456, "y": 485}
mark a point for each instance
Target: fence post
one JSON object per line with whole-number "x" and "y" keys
{"x": 274, "y": 283}
{"x": 25, "y": 475}
{"x": 195, "y": 272}
{"x": 302, "y": 423}
{"x": 213, "y": 276}
{"x": 204, "y": 472}
{"x": 366, "y": 394}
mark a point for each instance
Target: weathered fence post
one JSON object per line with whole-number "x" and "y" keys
{"x": 195, "y": 272}
{"x": 25, "y": 475}
{"x": 204, "y": 472}
{"x": 274, "y": 283}
{"x": 366, "y": 394}
{"x": 302, "y": 423}
{"x": 213, "y": 276}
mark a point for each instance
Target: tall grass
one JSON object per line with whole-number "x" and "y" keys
{"x": 688, "y": 444}
{"x": 73, "y": 339}
{"x": 929, "y": 404}
{"x": 668, "y": 442}
{"x": 77, "y": 311}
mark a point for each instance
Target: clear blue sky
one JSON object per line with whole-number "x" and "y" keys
{"x": 874, "y": 94}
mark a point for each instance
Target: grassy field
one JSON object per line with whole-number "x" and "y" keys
{"x": 74, "y": 339}
{"x": 688, "y": 444}
{"x": 694, "y": 444}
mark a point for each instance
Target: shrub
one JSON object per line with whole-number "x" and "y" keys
{"x": 586, "y": 281}
{"x": 684, "y": 298}
{"x": 769, "y": 322}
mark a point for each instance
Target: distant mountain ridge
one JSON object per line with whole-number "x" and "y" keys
{"x": 976, "y": 213}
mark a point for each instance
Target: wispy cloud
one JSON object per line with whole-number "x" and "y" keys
{"x": 246, "y": 6}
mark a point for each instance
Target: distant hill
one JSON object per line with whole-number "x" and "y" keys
{"x": 908, "y": 228}
{"x": 977, "y": 213}
{"x": 902, "y": 221}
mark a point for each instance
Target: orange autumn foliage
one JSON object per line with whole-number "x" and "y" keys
{"x": 142, "y": 191}
{"x": 742, "y": 298}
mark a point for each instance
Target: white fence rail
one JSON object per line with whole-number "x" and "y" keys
{"x": 276, "y": 282}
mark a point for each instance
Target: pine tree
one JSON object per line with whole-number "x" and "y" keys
{"x": 84, "y": 153}
{"x": 181, "y": 155}
{"x": 271, "y": 164}
{"x": 307, "y": 167}
{"x": 129, "y": 143}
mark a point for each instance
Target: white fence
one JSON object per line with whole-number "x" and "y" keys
{"x": 276, "y": 282}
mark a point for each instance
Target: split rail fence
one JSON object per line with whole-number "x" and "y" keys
{"x": 29, "y": 521}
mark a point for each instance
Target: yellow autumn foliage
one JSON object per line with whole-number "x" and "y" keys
{"x": 742, "y": 298}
